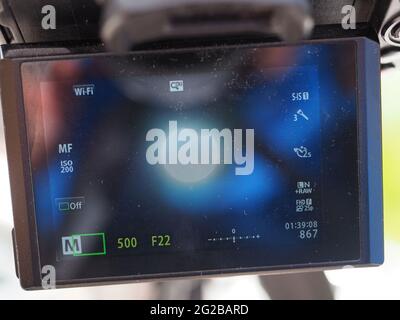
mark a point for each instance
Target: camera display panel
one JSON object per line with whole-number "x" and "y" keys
{"x": 194, "y": 161}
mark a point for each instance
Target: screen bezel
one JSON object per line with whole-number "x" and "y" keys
{"x": 25, "y": 227}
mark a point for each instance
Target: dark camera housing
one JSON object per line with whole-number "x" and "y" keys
{"x": 81, "y": 121}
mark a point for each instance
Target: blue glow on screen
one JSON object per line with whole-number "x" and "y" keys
{"x": 266, "y": 106}
{"x": 225, "y": 191}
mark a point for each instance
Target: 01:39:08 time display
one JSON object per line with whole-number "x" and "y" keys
{"x": 298, "y": 225}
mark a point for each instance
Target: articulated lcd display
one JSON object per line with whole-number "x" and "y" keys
{"x": 194, "y": 160}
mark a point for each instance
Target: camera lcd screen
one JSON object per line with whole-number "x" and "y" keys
{"x": 194, "y": 161}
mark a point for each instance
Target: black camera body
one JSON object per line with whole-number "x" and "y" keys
{"x": 29, "y": 22}
{"x": 211, "y": 142}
